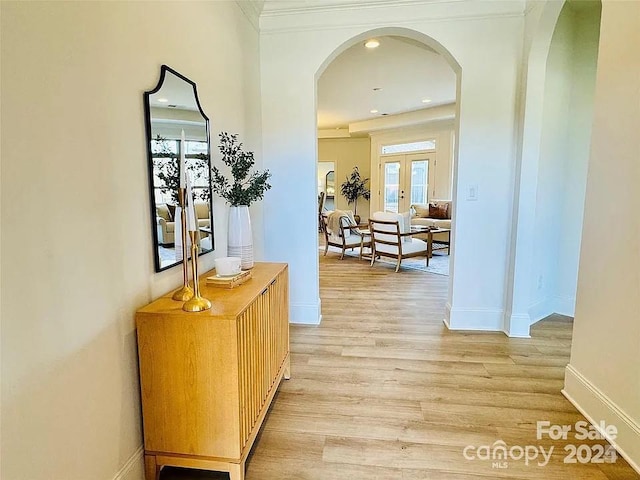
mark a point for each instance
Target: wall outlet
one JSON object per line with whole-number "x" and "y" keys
{"x": 472, "y": 192}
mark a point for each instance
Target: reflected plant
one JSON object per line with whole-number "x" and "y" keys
{"x": 166, "y": 166}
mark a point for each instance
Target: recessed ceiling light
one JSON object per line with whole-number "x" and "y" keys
{"x": 163, "y": 100}
{"x": 426, "y": 100}
{"x": 374, "y": 111}
{"x": 373, "y": 43}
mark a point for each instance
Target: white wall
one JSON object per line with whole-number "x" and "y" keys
{"x": 562, "y": 167}
{"x": 77, "y": 259}
{"x": 296, "y": 47}
{"x": 603, "y": 377}
{"x": 584, "y": 64}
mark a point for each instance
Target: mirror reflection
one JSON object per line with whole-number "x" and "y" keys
{"x": 330, "y": 184}
{"x": 172, "y": 108}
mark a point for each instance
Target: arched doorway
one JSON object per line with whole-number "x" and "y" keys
{"x": 400, "y": 129}
{"x": 292, "y": 60}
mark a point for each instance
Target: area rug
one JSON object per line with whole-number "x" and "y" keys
{"x": 438, "y": 264}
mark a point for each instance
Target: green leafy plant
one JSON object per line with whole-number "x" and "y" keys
{"x": 355, "y": 187}
{"x": 246, "y": 188}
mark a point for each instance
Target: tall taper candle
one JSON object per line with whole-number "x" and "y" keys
{"x": 183, "y": 169}
{"x": 191, "y": 213}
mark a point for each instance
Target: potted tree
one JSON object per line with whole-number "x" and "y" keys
{"x": 245, "y": 189}
{"x": 353, "y": 188}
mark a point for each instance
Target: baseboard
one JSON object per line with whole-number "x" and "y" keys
{"x": 518, "y": 325}
{"x": 305, "y": 314}
{"x": 133, "y": 469}
{"x": 597, "y": 406}
{"x": 475, "y": 319}
{"x": 540, "y": 310}
{"x": 564, "y": 305}
{"x": 447, "y": 315}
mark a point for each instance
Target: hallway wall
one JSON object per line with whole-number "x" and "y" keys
{"x": 77, "y": 257}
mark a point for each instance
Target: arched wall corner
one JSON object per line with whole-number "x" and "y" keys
{"x": 541, "y": 24}
{"x": 457, "y": 69}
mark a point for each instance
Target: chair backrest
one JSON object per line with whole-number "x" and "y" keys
{"x": 385, "y": 229}
{"x": 321, "y": 199}
{"x": 344, "y": 232}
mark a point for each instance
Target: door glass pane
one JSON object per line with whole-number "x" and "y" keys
{"x": 419, "y": 176}
{"x": 391, "y": 186}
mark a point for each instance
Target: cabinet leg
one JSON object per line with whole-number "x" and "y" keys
{"x": 236, "y": 472}
{"x": 287, "y": 369}
{"x": 151, "y": 468}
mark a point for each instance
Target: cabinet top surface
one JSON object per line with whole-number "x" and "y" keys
{"x": 225, "y": 302}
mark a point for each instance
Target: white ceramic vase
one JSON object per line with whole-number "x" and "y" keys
{"x": 239, "y": 236}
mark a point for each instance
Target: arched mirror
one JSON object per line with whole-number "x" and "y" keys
{"x": 330, "y": 184}
{"x": 171, "y": 108}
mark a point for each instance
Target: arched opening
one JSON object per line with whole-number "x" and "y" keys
{"x": 431, "y": 129}
{"x": 551, "y": 183}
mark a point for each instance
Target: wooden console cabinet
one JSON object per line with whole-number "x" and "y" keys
{"x": 208, "y": 378}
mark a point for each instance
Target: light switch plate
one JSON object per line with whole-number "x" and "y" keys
{"x": 472, "y": 192}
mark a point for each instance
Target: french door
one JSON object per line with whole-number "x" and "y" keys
{"x": 406, "y": 180}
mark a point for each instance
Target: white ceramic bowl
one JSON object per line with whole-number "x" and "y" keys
{"x": 227, "y": 266}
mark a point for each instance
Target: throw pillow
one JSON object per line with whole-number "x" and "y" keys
{"x": 439, "y": 211}
{"x": 422, "y": 210}
{"x": 172, "y": 212}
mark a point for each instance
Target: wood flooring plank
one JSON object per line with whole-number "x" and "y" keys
{"x": 404, "y": 455}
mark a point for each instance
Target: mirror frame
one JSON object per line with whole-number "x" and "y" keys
{"x": 326, "y": 184}
{"x": 147, "y": 119}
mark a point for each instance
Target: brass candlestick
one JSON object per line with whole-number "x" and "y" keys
{"x": 185, "y": 292}
{"x": 197, "y": 303}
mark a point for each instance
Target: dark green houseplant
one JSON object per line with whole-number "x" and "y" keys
{"x": 353, "y": 188}
{"x": 246, "y": 187}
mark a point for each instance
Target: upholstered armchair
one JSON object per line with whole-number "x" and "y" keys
{"x": 165, "y": 225}
{"x": 341, "y": 231}
{"x": 391, "y": 237}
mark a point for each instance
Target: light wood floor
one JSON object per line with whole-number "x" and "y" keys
{"x": 382, "y": 390}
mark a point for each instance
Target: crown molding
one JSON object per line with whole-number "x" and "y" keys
{"x": 345, "y": 5}
{"x": 380, "y": 13}
{"x": 252, "y": 9}
{"x": 359, "y": 5}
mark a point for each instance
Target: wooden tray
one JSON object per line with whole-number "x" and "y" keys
{"x": 229, "y": 282}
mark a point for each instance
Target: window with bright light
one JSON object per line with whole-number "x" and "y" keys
{"x": 409, "y": 147}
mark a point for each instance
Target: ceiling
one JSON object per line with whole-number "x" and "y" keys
{"x": 405, "y": 71}
{"x": 177, "y": 93}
